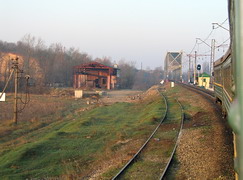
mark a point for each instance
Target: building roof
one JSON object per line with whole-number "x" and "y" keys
{"x": 204, "y": 75}
{"x": 94, "y": 65}
{"x": 223, "y": 58}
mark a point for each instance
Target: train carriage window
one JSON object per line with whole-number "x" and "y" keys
{"x": 217, "y": 76}
{"x": 227, "y": 80}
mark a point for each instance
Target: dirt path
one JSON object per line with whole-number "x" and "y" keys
{"x": 121, "y": 96}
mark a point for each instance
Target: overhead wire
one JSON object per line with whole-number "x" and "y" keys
{"x": 193, "y": 47}
{"x": 208, "y": 36}
{"x": 26, "y": 91}
{"x": 224, "y": 21}
{"x": 221, "y": 23}
{"x": 27, "y": 96}
{"x": 6, "y": 83}
{"x": 223, "y": 42}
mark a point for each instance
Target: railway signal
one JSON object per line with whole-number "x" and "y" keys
{"x": 199, "y": 67}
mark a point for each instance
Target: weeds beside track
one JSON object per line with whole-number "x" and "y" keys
{"x": 153, "y": 158}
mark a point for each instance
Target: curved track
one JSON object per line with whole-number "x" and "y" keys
{"x": 177, "y": 141}
{"x": 133, "y": 159}
{"x": 205, "y": 91}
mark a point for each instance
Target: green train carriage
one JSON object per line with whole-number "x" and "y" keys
{"x": 236, "y": 108}
{"x": 224, "y": 81}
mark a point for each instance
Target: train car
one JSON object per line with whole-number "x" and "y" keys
{"x": 224, "y": 81}
{"x": 230, "y": 70}
{"x": 228, "y": 85}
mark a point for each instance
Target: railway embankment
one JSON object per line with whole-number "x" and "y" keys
{"x": 75, "y": 139}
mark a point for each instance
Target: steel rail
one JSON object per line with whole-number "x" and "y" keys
{"x": 208, "y": 92}
{"x": 177, "y": 142}
{"x": 146, "y": 142}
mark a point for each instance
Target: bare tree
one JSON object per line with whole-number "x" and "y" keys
{"x": 105, "y": 60}
{"x": 144, "y": 79}
{"x": 28, "y": 44}
{"x": 127, "y": 74}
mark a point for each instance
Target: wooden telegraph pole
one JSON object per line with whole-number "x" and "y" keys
{"x": 195, "y": 67}
{"x": 212, "y": 61}
{"x": 189, "y": 69}
{"x": 16, "y": 71}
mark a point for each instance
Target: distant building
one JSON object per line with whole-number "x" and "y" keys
{"x": 204, "y": 80}
{"x": 95, "y": 75}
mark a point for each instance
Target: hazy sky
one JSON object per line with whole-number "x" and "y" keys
{"x": 134, "y": 30}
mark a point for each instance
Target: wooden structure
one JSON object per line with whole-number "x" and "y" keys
{"x": 95, "y": 75}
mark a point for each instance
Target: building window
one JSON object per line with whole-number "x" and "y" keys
{"x": 104, "y": 81}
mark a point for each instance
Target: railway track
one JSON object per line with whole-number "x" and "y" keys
{"x": 198, "y": 89}
{"x": 155, "y": 155}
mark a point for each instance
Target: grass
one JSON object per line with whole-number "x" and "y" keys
{"x": 173, "y": 167}
{"x": 150, "y": 173}
{"x": 153, "y": 159}
{"x": 70, "y": 142}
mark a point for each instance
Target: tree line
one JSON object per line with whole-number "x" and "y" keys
{"x": 56, "y": 63}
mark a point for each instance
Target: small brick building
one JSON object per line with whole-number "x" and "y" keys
{"x": 95, "y": 75}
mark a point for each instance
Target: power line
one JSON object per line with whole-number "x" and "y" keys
{"x": 15, "y": 70}
{"x": 224, "y": 21}
{"x": 207, "y": 37}
{"x": 193, "y": 47}
{"x": 212, "y": 48}
{"x": 7, "y": 83}
{"x": 220, "y": 25}
{"x": 223, "y": 42}
{"x": 27, "y": 95}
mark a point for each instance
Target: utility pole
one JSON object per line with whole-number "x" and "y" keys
{"x": 189, "y": 69}
{"x": 191, "y": 64}
{"x": 195, "y": 62}
{"x": 16, "y": 71}
{"x": 212, "y": 47}
{"x": 212, "y": 58}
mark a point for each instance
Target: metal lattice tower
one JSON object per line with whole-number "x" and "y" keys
{"x": 173, "y": 66}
